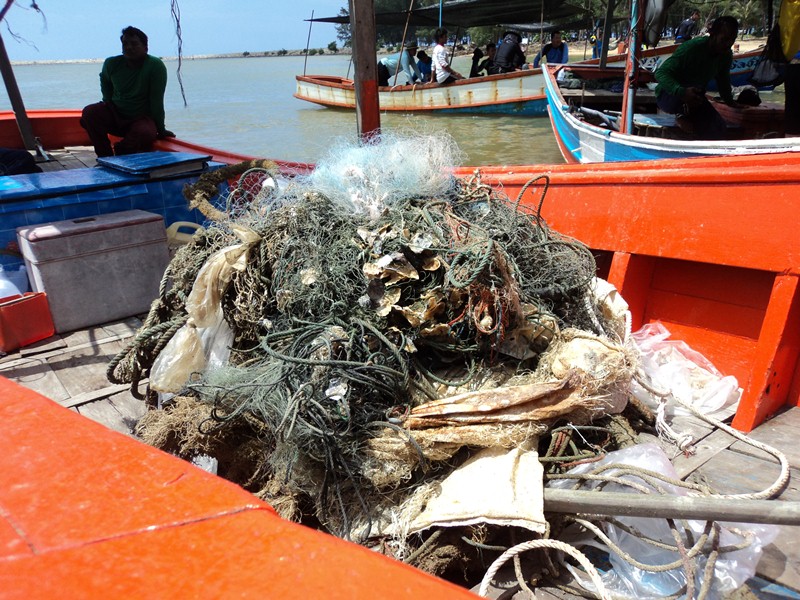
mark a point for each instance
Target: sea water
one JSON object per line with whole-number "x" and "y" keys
{"x": 246, "y": 105}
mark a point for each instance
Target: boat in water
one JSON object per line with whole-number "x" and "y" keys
{"x": 585, "y": 106}
{"x": 518, "y": 93}
{"x": 102, "y": 513}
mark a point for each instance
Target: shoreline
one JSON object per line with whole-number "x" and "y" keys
{"x": 744, "y": 46}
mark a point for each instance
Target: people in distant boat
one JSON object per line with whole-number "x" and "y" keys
{"x": 688, "y": 28}
{"x": 443, "y": 73}
{"x": 17, "y": 162}
{"x": 132, "y": 85}
{"x": 486, "y": 66}
{"x": 477, "y": 55}
{"x": 388, "y": 70}
{"x": 424, "y": 64}
{"x": 509, "y": 56}
{"x": 554, "y": 52}
{"x": 683, "y": 77}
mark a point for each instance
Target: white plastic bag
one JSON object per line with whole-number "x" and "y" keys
{"x": 674, "y": 367}
{"x": 731, "y": 569}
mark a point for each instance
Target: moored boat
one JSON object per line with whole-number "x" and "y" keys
{"x": 585, "y": 103}
{"x": 517, "y": 93}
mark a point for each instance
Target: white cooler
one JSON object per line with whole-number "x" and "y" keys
{"x": 96, "y": 269}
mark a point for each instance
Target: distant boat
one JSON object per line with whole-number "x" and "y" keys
{"x": 586, "y": 122}
{"x": 517, "y": 93}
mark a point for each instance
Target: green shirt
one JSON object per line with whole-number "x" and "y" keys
{"x": 135, "y": 91}
{"x": 693, "y": 66}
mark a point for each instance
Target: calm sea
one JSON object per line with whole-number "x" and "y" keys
{"x": 246, "y": 105}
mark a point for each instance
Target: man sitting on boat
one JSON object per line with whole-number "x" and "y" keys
{"x": 442, "y": 71}
{"x": 487, "y": 66}
{"x": 424, "y": 64}
{"x": 683, "y": 77}
{"x": 556, "y": 52}
{"x": 388, "y": 66}
{"x": 509, "y": 56}
{"x": 688, "y": 28}
{"x": 133, "y": 86}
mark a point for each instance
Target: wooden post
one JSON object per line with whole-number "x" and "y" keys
{"x": 362, "y": 22}
{"x": 632, "y": 66}
{"x": 23, "y": 123}
{"x": 607, "y": 21}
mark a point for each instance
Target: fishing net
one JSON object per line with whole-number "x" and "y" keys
{"x": 362, "y": 299}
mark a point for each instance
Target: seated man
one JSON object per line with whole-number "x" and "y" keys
{"x": 388, "y": 70}
{"x": 487, "y": 66}
{"x": 683, "y": 77}
{"x": 556, "y": 52}
{"x": 509, "y": 56}
{"x": 443, "y": 73}
{"x": 132, "y": 86}
{"x": 424, "y": 64}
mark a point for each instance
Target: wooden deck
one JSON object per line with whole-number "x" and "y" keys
{"x": 70, "y": 370}
{"x": 71, "y": 157}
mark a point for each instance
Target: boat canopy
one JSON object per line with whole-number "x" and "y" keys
{"x": 476, "y": 13}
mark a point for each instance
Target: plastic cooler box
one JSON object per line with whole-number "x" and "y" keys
{"x": 96, "y": 269}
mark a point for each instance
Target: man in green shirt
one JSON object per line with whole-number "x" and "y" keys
{"x": 132, "y": 86}
{"x": 683, "y": 77}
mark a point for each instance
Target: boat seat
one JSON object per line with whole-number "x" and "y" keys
{"x": 650, "y": 125}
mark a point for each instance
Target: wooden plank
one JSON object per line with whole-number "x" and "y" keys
{"x": 706, "y": 449}
{"x": 51, "y": 343}
{"x": 779, "y": 432}
{"x": 58, "y": 352}
{"x": 38, "y": 376}
{"x": 127, "y": 326}
{"x": 92, "y": 395}
{"x": 131, "y": 409}
{"x": 85, "y": 369}
{"x": 780, "y": 561}
{"x": 105, "y": 413}
{"x": 734, "y": 473}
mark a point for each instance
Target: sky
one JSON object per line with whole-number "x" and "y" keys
{"x": 85, "y": 29}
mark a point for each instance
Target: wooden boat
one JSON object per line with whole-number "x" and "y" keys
{"x": 586, "y": 123}
{"x": 722, "y": 274}
{"x": 518, "y": 93}
{"x": 647, "y": 213}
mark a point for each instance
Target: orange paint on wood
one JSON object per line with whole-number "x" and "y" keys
{"x": 773, "y": 367}
{"x": 104, "y": 516}
{"x": 631, "y": 274}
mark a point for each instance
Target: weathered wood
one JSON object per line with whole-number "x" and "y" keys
{"x": 92, "y": 395}
{"x": 129, "y": 407}
{"x": 731, "y": 472}
{"x": 362, "y": 21}
{"x": 671, "y": 507}
{"x": 51, "y": 343}
{"x": 105, "y": 413}
{"x": 705, "y": 450}
{"x": 58, "y": 352}
{"x": 85, "y": 368}
{"x": 779, "y": 432}
{"x": 38, "y": 376}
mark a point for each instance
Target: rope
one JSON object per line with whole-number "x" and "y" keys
{"x": 540, "y": 544}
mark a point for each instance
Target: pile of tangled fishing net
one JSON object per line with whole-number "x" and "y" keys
{"x": 342, "y": 342}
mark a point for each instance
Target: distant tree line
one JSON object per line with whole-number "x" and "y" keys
{"x": 752, "y": 16}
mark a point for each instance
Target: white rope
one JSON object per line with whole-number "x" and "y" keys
{"x": 684, "y": 441}
{"x": 782, "y": 479}
{"x": 533, "y": 544}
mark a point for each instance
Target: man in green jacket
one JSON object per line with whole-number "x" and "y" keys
{"x": 683, "y": 77}
{"x": 132, "y": 86}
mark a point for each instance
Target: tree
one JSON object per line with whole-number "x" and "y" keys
{"x": 332, "y": 47}
{"x": 343, "y": 33}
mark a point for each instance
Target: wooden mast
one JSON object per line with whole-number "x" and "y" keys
{"x": 365, "y": 74}
{"x": 14, "y": 96}
{"x": 632, "y": 66}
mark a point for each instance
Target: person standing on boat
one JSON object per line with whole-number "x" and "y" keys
{"x": 133, "y": 86}
{"x": 683, "y": 77}
{"x": 509, "y": 56}
{"x": 442, "y": 70}
{"x": 556, "y": 52}
{"x": 688, "y": 28}
{"x": 388, "y": 69}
